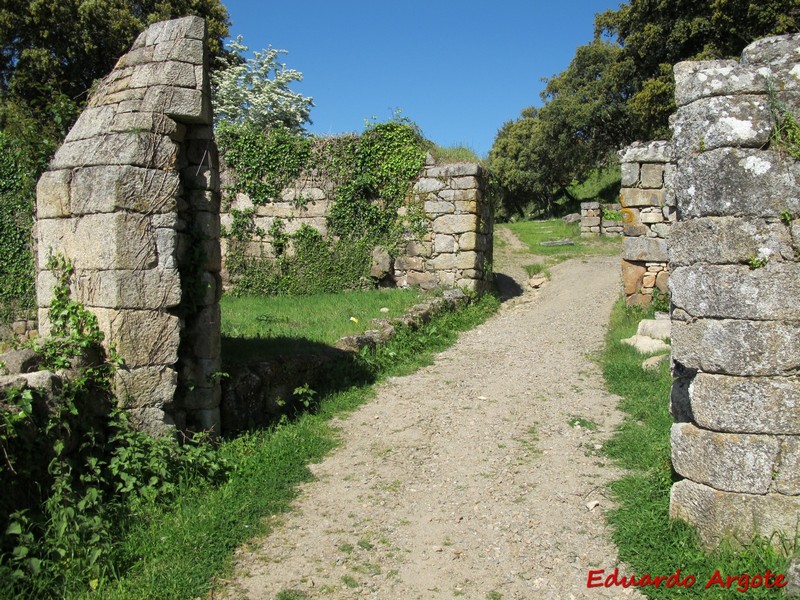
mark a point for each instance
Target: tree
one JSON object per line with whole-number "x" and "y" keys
{"x": 52, "y": 51}
{"x": 256, "y": 90}
{"x": 620, "y": 88}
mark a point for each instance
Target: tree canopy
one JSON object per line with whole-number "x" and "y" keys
{"x": 52, "y": 51}
{"x": 620, "y": 88}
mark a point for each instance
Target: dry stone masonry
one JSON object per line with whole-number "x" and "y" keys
{"x": 648, "y": 211}
{"x": 454, "y": 251}
{"x": 132, "y": 200}
{"x": 735, "y": 282}
{"x": 595, "y": 221}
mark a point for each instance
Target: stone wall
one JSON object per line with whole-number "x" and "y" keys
{"x": 735, "y": 282}
{"x": 595, "y": 221}
{"x": 455, "y": 251}
{"x": 648, "y": 212}
{"x": 132, "y": 200}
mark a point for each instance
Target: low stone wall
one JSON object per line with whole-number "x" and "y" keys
{"x": 132, "y": 200}
{"x": 648, "y": 212}
{"x": 454, "y": 251}
{"x": 255, "y": 394}
{"x": 735, "y": 282}
{"x": 595, "y": 221}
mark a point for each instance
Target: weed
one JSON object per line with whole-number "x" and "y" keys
{"x": 291, "y": 595}
{"x": 346, "y": 548}
{"x": 576, "y": 421}
{"x": 494, "y": 596}
{"x": 786, "y": 217}
{"x": 365, "y": 544}
{"x": 757, "y": 262}
{"x": 350, "y": 581}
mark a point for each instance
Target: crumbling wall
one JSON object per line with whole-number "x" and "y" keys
{"x": 454, "y": 251}
{"x": 648, "y": 212}
{"x": 735, "y": 283}
{"x": 132, "y": 200}
{"x": 595, "y": 219}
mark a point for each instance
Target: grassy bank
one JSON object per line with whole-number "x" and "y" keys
{"x": 176, "y": 551}
{"x": 648, "y": 541}
{"x": 291, "y": 324}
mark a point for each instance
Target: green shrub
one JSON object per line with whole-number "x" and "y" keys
{"x": 17, "y": 193}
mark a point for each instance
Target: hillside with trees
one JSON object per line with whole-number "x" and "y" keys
{"x": 618, "y": 89}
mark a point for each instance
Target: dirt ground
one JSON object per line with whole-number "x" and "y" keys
{"x": 473, "y": 477}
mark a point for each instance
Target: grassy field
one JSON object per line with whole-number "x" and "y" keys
{"x": 297, "y": 324}
{"x": 177, "y": 551}
{"x": 648, "y": 540}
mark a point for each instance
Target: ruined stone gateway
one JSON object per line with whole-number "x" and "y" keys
{"x": 132, "y": 200}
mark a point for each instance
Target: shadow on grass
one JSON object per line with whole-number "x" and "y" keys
{"x": 270, "y": 379}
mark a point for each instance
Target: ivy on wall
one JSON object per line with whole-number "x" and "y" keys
{"x": 17, "y": 192}
{"x": 371, "y": 174}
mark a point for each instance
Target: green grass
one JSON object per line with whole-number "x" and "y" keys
{"x": 533, "y": 233}
{"x": 647, "y": 539}
{"x": 257, "y": 327}
{"x": 178, "y": 550}
{"x": 453, "y": 154}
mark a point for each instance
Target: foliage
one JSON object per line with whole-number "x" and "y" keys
{"x": 51, "y": 52}
{"x": 17, "y": 190}
{"x": 371, "y": 174}
{"x": 454, "y": 154}
{"x": 256, "y": 90}
{"x": 648, "y": 540}
{"x": 619, "y": 88}
{"x": 75, "y": 467}
{"x": 176, "y": 551}
{"x": 265, "y": 160}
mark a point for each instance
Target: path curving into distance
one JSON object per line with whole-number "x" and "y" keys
{"x": 467, "y": 478}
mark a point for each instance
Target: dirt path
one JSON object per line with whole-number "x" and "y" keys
{"x": 467, "y": 479}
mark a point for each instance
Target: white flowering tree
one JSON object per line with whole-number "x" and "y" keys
{"x": 256, "y": 90}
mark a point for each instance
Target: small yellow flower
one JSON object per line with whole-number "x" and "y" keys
{"x": 354, "y": 320}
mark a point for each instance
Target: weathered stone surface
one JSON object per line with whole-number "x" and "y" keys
{"x": 705, "y": 79}
{"x": 109, "y": 189}
{"x": 467, "y": 260}
{"x": 647, "y": 152}
{"x": 444, "y": 243}
{"x": 659, "y": 329}
{"x": 786, "y": 474}
{"x": 139, "y": 149}
{"x": 207, "y": 321}
{"x": 776, "y": 50}
{"x": 590, "y": 206}
{"x": 428, "y": 184}
{"x": 746, "y": 404}
{"x": 23, "y": 360}
{"x": 143, "y": 337}
{"x": 455, "y": 224}
{"x": 662, "y": 282}
{"x": 590, "y": 221}
{"x": 469, "y": 241}
{"x": 185, "y": 50}
{"x": 167, "y": 31}
{"x": 117, "y": 240}
{"x": 454, "y": 170}
{"x": 52, "y": 194}
{"x": 739, "y": 121}
{"x": 381, "y": 263}
{"x": 738, "y": 292}
{"x": 737, "y": 182}
{"x": 184, "y": 104}
{"x": 425, "y": 281}
{"x": 631, "y": 197}
{"x": 732, "y": 462}
{"x": 644, "y": 249}
{"x": 630, "y": 174}
{"x": 93, "y": 121}
{"x": 153, "y": 288}
{"x": 438, "y": 207}
{"x": 651, "y": 217}
{"x": 734, "y": 347}
{"x": 169, "y": 73}
{"x": 652, "y": 175}
{"x": 646, "y": 344}
{"x": 146, "y": 386}
{"x": 728, "y": 240}
{"x": 719, "y": 515}
{"x": 464, "y": 183}
{"x": 152, "y": 420}
{"x": 632, "y": 274}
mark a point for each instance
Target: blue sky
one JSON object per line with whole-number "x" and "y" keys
{"x": 458, "y": 69}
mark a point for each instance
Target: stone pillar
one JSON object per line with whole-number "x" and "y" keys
{"x": 132, "y": 200}
{"x": 648, "y": 211}
{"x": 735, "y": 282}
{"x": 456, "y": 250}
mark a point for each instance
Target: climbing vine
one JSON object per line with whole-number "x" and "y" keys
{"x": 371, "y": 175}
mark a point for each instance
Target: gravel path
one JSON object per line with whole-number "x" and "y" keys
{"x": 467, "y": 479}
